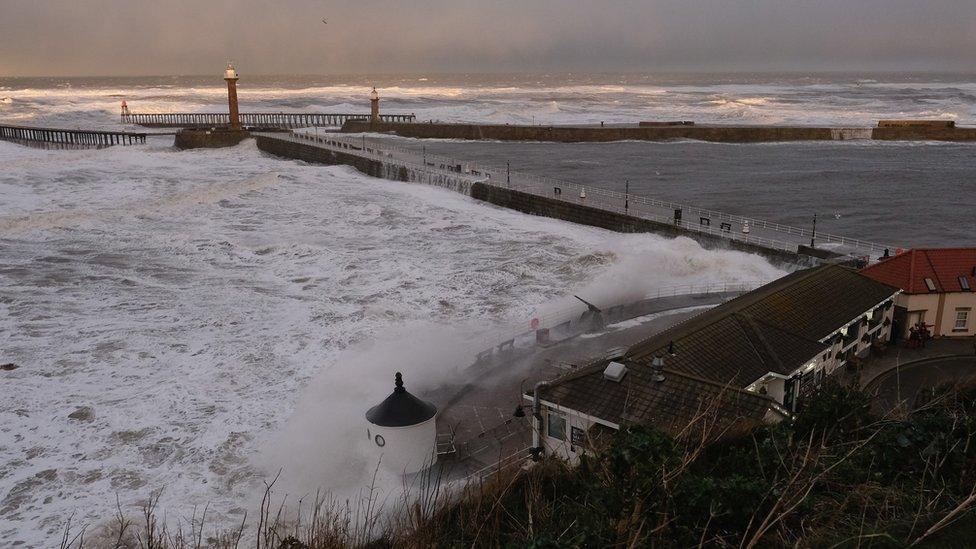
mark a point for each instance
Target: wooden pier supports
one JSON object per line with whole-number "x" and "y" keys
{"x": 81, "y": 138}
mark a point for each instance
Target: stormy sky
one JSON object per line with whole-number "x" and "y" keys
{"x": 156, "y": 37}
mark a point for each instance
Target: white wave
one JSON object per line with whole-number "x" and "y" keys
{"x": 189, "y": 298}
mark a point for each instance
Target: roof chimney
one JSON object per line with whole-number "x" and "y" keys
{"x": 615, "y": 372}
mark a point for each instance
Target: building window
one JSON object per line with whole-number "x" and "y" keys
{"x": 962, "y": 320}
{"x": 557, "y": 425}
{"x": 964, "y": 283}
{"x": 929, "y": 284}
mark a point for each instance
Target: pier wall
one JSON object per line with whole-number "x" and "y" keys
{"x": 320, "y": 155}
{"x": 208, "y": 139}
{"x": 923, "y": 133}
{"x": 598, "y": 217}
{"x": 725, "y": 134}
{"x": 565, "y": 134}
{"x": 516, "y": 200}
{"x": 384, "y": 169}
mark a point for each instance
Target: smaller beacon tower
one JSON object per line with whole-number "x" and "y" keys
{"x": 230, "y": 75}
{"x": 374, "y": 106}
{"x": 402, "y": 431}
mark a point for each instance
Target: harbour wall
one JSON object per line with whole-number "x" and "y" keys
{"x": 208, "y": 139}
{"x": 384, "y": 169}
{"x": 517, "y": 200}
{"x": 621, "y": 223}
{"x": 726, "y": 134}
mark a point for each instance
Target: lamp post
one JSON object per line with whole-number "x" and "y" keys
{"x": 627, "y": 195}
{"x": 813, "y": 235}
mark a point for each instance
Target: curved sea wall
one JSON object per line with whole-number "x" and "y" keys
{"x": 517, "y": 200}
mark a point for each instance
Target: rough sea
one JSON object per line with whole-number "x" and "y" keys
{"x": 195, "y": 307}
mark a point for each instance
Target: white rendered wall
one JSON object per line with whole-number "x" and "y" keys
{"x": 405, "y": 450}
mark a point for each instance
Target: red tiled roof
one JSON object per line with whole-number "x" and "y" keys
{"x": 909, "y": 270}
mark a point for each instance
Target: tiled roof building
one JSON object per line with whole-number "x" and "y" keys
{"x": 743, "y": 361}
{"x": 937, "y": 289}
{"x": 949, "y": 269}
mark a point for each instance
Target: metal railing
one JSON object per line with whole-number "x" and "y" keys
{"x": 569, "y": 314}
{"x": 252, "y": 119}
{"x": 541, "y": 319}
{"x": 504, "y": 463}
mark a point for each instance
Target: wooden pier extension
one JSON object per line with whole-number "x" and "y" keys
{"x": 253, "y": 120}
{"x": 80, "y": 138}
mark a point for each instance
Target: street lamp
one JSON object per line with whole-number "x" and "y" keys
{"x": 813, "y": 235}
{"x": 627, "y": 195}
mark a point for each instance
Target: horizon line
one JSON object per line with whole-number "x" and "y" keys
{"x": 696, "y": 72}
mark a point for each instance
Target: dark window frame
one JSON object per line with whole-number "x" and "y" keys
{"x": 562, "y": 418}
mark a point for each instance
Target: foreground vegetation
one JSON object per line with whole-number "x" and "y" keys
{"x": 837, "y": 476}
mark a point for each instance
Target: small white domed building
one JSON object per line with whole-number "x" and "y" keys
{"x": 402, "y": 431}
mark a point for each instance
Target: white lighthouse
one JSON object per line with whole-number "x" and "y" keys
{"x": 374, "y": 106}
{"x": 402, "y": 431}
{"x": 230, "y": 76}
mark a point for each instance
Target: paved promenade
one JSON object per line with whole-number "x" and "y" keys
{"x": 897, "y": 378}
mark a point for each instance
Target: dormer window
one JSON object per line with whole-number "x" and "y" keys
{"x": 964, "y": 283}
{"x": 930, "y": 284}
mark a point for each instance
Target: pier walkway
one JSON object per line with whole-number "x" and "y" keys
{"x": 73, "y": 138}
{"x": 252, "y": 120}
{"x": 564, "y": 199}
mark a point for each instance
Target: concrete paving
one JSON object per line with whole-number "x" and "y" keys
{"x": 897, "y": 378}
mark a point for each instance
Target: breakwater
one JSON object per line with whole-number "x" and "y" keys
{"x": 725, "y": 134}
{"x": 596, "y": 216}
{"x": 367, "y": 160}
{"x": 571, "y": 202}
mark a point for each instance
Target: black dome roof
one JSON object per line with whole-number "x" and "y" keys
{"x": 400, "y": 409}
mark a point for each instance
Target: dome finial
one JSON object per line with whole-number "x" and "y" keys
{"x": 399, "y": 382}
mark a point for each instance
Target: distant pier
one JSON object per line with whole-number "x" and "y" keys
{"x": 74, "y": 138}
{"x": 261, "y": 121}
{"x": 921, "y": 130}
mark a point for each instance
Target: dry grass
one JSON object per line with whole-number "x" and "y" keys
{"x": 835, "y": 477}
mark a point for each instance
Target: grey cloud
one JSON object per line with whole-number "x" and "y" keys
{"x": 142, "y": 37}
